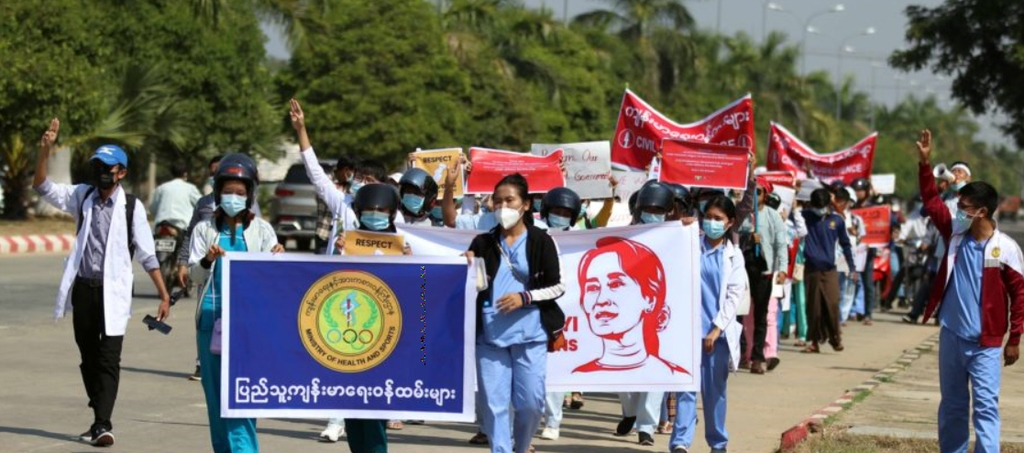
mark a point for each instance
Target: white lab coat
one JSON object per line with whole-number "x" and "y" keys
{"x": 734, "y": 283}
{"x": 259, "y": 237}
{"x": 117, "y": 264}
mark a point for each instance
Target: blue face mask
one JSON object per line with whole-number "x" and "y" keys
{"x": 436, "y": 213}
{"x": 714, "y": 229}
{"x": 373, "y": 220}
{"x": 702, "y": 205}
{"x": 536, "y": 205}
{"x": 959, "y": 185}
{"x": 232, "y": 204}
{"x": 820, "y": 211}
{"x": 646, "y": 217}
{"x": 558, "y": 222}
{"x": 414, "y": 203}
{"x": 355, "y": 187}
{"x": 210, "y": 181}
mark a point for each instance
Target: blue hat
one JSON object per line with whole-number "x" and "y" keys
{"x": 111, "y": 155}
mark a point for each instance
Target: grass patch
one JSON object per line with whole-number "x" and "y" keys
{"x": 835, "y": 440}
{"x": 886, "y": 379}
{"x": 36, "y": 226}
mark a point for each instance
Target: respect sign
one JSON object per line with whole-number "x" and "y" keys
{"x": 361, "y": 243}
{"x": 587, "y": 164}
{"x": 438, "y": 162}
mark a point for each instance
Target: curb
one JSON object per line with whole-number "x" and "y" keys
{"x": 35, "y": 243}
{"x": 813, "y": 424}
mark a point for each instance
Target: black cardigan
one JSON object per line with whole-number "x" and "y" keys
{"x": 545, "y": 272}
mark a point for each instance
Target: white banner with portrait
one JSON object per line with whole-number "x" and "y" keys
{"x": 631, "y": 302}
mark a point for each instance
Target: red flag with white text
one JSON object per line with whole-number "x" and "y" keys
{"x": 641, "y": 129}
{"x": 787, "y": 153}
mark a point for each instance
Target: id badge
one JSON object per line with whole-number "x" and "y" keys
{"x": 488, "y": 308}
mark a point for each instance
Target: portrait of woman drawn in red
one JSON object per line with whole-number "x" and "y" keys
{"x": 622, "y": 293}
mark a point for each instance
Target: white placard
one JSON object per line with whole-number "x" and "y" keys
{"x": 884, "y": 184}
{"x": 587, "y": 166}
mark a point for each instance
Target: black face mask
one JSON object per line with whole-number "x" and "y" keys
{"x": 102, "y": 177}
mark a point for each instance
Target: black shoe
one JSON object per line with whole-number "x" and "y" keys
{"x": 86, "y": 436}
{"x": 718, "y": 450}
{"x": 645, "y": 439}
{"x": 909, "y": 319}
{"x": 102, "y": 438}
{"x": 773, "y": 363}
{"x": 196, "y": 376}
{"x": 625, "y": 426}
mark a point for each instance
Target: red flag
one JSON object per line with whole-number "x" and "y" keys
{"x": 786, "y": 152}
{"x": 490, "y": 165}
{"x": 641, "y": 130}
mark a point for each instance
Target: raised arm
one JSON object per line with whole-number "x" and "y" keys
{"x": 60, "y": 196}
{"x": 448, "y": 211}
{"x": 325, "y": 188}
{"x": 934, "y": 207}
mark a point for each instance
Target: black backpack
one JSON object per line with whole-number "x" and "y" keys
{"x": 129, "y": 211}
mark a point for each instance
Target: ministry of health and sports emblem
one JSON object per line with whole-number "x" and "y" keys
{"x": 350, "y": 321}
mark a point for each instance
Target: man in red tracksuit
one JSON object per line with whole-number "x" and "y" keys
{"x": 978, "y": 294}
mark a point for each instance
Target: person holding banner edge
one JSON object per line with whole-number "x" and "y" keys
{"x": 233, "y": 228}
{"x": 722, "y": 283}
{"x": 518, "y": 318}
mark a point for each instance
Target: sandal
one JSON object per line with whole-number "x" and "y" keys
{"x": 838, "y": 347}
{"x": 577, "y": 401}
{"x": 811, "y": 349}
{"x": 395, "y": 425}
{"x": 479, "y": 439}
{"x": 868, "y": 322}
{"x": 665, "y": 428}
{"x": 800, "y": 343}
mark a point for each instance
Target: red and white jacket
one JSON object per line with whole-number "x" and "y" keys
{"x": 1002, "y": 278}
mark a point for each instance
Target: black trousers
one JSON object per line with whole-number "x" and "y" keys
{"x": 760, "y": 292}
{"x": 101, "y": 354}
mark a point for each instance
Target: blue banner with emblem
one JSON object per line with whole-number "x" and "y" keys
{"x": 358, "y": 337}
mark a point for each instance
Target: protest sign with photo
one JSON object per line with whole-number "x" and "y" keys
{"x": 877, "y": 224}
{"x": 490, "y": 165}
{"x": 787, "y": 153}
{"x": 438, "y": 162}
{"x": 362, "y": 243}
{"x": 308, "y": 336}
{"x": 708, "y": 165}
{"x": 641, "y": 130}
{"x": 587, "y": 165}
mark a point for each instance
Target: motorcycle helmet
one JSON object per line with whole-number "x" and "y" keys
{"x": 653, "y": 195}
{"x": 376, "y": 196}
{"x": 237, "y": 166}
{"x": 561, "y": 197}
{"x": 422, "y": 180}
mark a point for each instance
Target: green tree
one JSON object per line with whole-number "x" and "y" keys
{"x": 981, "y": 44}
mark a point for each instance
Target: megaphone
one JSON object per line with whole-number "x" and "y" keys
{"x": 941, "y": 172}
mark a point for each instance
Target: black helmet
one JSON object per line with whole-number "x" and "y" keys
{"x": 861, "y": 184}
{"x": 774, "y": 200}
{"x": 837, "y": 185}
{"x": 653, "y": 195}
{"x": 422, "y": 180}
{"x": 561, "y": 197}
{"x": 375, "y": 195}
{"x": 682, "y": 198}
{"x": 236, "y": 166}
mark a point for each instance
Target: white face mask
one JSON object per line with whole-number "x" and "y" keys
{"x": 508, "y": 217}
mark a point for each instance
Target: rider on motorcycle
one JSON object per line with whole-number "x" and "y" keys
{"x": 174, "y": 200}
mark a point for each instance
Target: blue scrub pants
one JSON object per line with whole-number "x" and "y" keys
{"x": 962, "y": 362}
{"x": 714, "y": 371}
{"x": 515, "y": 375}
{"x": 229, "y": 435}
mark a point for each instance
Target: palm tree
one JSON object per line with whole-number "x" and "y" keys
{"x": 298, "y": 17}
{"x": 635, "y": 20}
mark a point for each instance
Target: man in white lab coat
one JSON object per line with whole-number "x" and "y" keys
{"x": 97, "y": 279}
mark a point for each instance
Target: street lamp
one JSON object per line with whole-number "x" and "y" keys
{"x": 839, "y": 70}
{"x": 764, "y": 17}
{"x": 837, "y": 8}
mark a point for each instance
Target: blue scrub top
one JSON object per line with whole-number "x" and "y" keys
{"x": 961, "y": 304}
{"x": 710, "y": 283}
{"x": 521, "y": 326}
{"x": 211, "y": 308}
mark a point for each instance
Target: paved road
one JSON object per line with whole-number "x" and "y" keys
{"x": 42, "y": 403}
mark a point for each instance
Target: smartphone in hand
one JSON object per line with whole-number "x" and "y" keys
{"x": 153, "y": 324}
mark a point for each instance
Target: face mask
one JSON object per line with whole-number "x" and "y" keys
{"x": 373, "y": 220}
{"x": 508, "y": 217}
{"x": 536, "y": 205}
{"x": 350, "y": 177}
{"x": 355, "y": 187}
{"x": 713, "y": 228}
{"x": 962, "y": 222}
{"x": 820, "y": 211}
{"x": 103, "y": 178}
{"x": 702, "y": 204}
{"x": 558, "y": 222}
{"x": 959, "y": 185}
{"x": 232, "y": 204}
{"x": 436, "y": 213}
{"x": 414, "y": 203}
{"x": 646, "y": 217}
{"x": 210, "y": 181}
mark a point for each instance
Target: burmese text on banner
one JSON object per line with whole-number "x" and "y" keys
{"x": 629, "y": 287}
{"x": 587, "y": 165}
{"x": 490, "y": 165}
{"x": 438, "y": 162}
{"x": 704, "y": 165}
{"x": 641, "y": 129}
{"x": 778, "y": 178}
{"x": 877, "y": 222}
{"x": 356, "y": 337}
{"x": 787, "y": 153}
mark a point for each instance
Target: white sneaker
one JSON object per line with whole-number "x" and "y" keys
{"x": 332, "y": 433}
{"x": 549, "y": 434}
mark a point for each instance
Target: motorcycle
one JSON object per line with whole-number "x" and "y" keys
{"x": 167, "y": 239}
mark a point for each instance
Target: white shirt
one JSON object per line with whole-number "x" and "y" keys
{"x": 174, "y": 201}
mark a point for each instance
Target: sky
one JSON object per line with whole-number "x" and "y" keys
{"x": 867, "y": 59}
